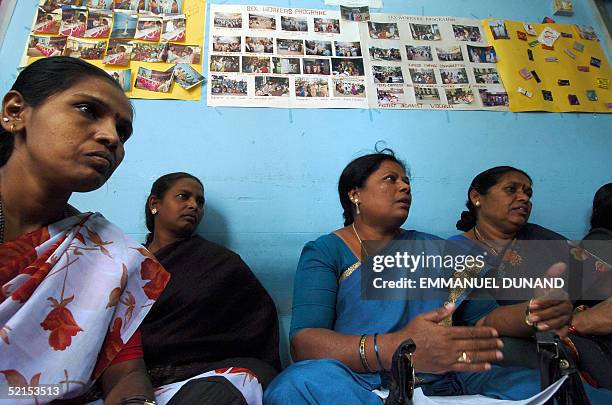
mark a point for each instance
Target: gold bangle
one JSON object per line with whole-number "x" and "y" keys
{"x": 527, "y": 313}
{"x": 362, "y": 354}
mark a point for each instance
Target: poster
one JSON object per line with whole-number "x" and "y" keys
{"x": 6, "y": 12}
{"x": 136, "y": 41}
{"x": 262, "y": 56}
{"x": 551, "y": 67}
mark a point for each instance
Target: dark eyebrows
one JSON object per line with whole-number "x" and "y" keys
{"x": 122, "y": 122}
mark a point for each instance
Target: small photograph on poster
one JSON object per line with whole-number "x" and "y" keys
{"x": 318, "y": 48}
{"x": 390, "y": 95}
{"x": 498, "y": 29}
{"x": 255, "y": 64}
{"x": 315, "y": 66}
{"x": 460, "y": 95}
{"x": 74, "y": 21}
{"x": 347, "y": 48}
{"x": 186, "y": 76}
{"x": 385, "y": 54}
{"x": 100, "y": 4}
{"x": 47, "y": 22}
{"x": 262, "y": 22}
{"x": 350, "y": 13}
{"x": 228, "y": 86}
{"x": 387, "y": 74}
{"x": 422, "y": 76}
{"x": 227, "y": 20}
{"x": 149, "y": 29}
{"x": 347, "y": 67}
{"x": 153, "y": 80}
{"x": 311, "y": 87}
{"x": 349, "y": 88}
{"x": 119, "y": 52}
{"x": 289, "y": 46}
{"x": 425, "y": 32}
{"x": 467, "y": 33}
{"x": 176, "y": 53}
{"x": 453, "y": 75}
{"x": 327, "y": 25}
{"x": 271, "y": 86}
{"x": 286, "y": 66}
{"x": 259, "y": 45}
{"x": 226, "y": 44}
{"x": 426, "y": 95}
{"x": 586, "y": 32}
{"x": 419, "y": 53}
{"x": 99, "y": 23}
{"x": 449, "y": 53}
{"x": 224, "y": 63}
{"x": 134, "y": 5}
{"x": 82, "y": 49}
{"x": 493, "y": 98}
{"x": 124, "y": 24}
{"x": 482, "y": 54}
{"x": 123, "y": 77}
{"x": 170, "y": 6}
{"x": 383, "y": 30}
{"x": 486, "y": 76}
{"x": 148, "y": 52}
{"x": 174, "y": 28}
{"x": 46, "y": 46}
{"x": 294, "y": 24}
{"x": 51, "y": 5}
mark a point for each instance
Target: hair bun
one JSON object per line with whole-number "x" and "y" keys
{"x": 467, "y": 221}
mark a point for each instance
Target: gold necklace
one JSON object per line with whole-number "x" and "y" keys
{"x": 481, "y": 239}
{"x": 359, "y": 239}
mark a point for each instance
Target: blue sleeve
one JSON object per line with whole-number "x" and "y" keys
{"x": 470, "y": 311}
{"x": 314, "y": 290}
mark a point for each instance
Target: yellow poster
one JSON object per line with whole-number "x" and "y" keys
{"x": 153, "y": 54}
{"x": 569, "y": 74}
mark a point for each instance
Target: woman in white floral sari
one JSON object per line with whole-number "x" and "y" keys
{"x": 73, "y": 287}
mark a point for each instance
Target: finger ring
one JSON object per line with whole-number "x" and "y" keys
{"x": 463, "y": 358}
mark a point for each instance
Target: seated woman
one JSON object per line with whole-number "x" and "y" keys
{"x": 214, "y": 323}
{"x": 338, "y": 336}
{"x": 499, "y": 205}
{"x": 73, "y": 288}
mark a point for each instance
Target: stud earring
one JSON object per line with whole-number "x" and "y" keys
{"x": 477, "y": 203}
{"x": 154, "y": 211}
{"x": 5, "y": 119}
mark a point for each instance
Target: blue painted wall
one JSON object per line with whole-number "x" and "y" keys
{"x": 270, "y": 175}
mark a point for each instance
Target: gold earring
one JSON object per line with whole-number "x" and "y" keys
{"x": 154, "y": 211}
{"x": 357, "y": 211}
{"x": 5, "y": 119}
{"x": 12, "y": 128}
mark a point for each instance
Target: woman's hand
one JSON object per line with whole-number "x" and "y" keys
{"x": 551, "y": 308}
{"x": 440, "y": 348}
{"x": 596, "y": 320}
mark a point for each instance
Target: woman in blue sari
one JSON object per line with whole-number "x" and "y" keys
{"x": 343, "y": 344}
{"x": 496, "y": 224}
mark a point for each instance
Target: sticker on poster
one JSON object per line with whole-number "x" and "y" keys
{"x": 148, "y": 52}
{"x": 174, "y": 28}
{"x": 47, "y": 21}
{"x": 548, "y": 37}
{"x": 124, "y": 24}
{"x": 178, "y": 53}
{"x": 123, "y": 77}
{"x": 46, "y": 46}
{"x": 84, "y": 49}
{"x": 119, "y": 52}
{"x": 74, "y": 21}
{"x": 498, "y": 29}
{"x": 99, "y": 23}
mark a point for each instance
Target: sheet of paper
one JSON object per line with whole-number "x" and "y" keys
{"x": 357, "y": 3}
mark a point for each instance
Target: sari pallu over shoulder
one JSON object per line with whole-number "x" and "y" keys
{"x": 71, "y": 294}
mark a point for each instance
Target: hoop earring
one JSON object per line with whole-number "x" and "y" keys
{"x": 154, "y": 211}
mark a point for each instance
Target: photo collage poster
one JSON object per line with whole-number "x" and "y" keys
{"x": 264, "y": 56}
{"x": 551, "y": 67}
{"x": 153, "y": 48}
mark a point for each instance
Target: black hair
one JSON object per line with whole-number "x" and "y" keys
{"x": 45, "y": 78}
{"x": 602, "y": 208}
{"x": 158, "y": 189}
{"x": 482, "y": 183}
{"x": 355, "y": 175}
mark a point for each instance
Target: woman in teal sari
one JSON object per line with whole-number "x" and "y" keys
{"x": 343, "y": 344}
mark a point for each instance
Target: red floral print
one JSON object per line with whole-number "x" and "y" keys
{"x": 151, "y": 270}
{"x": 111, "y": 346}
{"x": 61, "y": 323}
{"x": 18, "y": 254}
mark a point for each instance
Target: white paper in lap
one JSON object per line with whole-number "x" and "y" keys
{"x": 538, "y": 399}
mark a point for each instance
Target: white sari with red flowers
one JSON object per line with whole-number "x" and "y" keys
{"x": 71, "y": 294}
